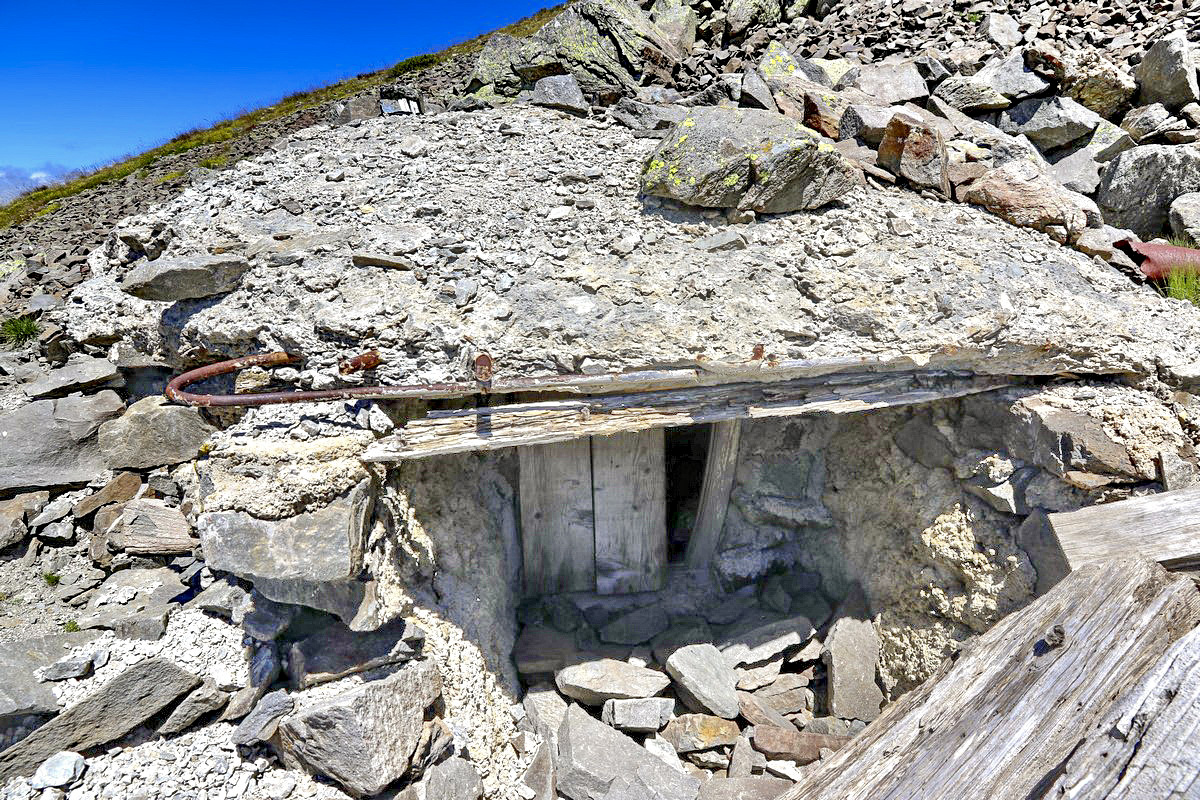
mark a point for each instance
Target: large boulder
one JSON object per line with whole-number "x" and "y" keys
{"x": 1079, "y": 170}
{"x": 743, "y": 15}
{"x": 1140, "y": 184}
{"x": 965, "y": 93}
{"x": 1086, "y": 76}
{"x": 677, "y": 20}
{"x": 52, "y": 443}
{"x": 122, "y": 704}
{"x": 153, "y": 434}
{"x": 1022, "y": 194}
{"x": 363, "y": 739}
{"x": 561, "y": 92}
{"x": 1049, "y": 122}
{"x": 893, "y": 83}
{"x": 747, "y": 158}
{"x": 1167, "y": 74}
{"x": 1009, "y": 76}
{"x": 312, "y": 559}
{"x": 1185, "y": 221}
{"x": 186, "y": 277}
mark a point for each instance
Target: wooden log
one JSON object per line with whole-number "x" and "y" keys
{"x": 1002, "y": 718}
{"x": 629, "y": 494}
{"x": 719, "y": 470}
{"x": 557, "y": 535}
{"x": 525, "y": 424}
{"x": 1162, "y": 527}
{"x": 1148, "y": 747}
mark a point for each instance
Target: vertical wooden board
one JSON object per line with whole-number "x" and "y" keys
{"x": 629, "y": 487}
{"x": 719, "y": 470}
{"x": 557, "y": 535}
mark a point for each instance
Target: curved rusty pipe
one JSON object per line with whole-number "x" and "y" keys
{"x": 176, "y": 394}
{"x": 1158, "y": 261}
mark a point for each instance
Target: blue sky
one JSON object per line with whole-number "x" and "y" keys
{"x": 83, "y": 83}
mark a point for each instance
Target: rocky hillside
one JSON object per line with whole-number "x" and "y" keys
{"x": 926, "y": 217}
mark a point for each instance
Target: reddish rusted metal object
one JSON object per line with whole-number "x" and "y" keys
{"x": 484, "y": 368}
{"x": 1157, "y": 261}
{"x": 368, "y": 360}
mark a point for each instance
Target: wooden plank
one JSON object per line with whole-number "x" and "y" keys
{"x": 1163, "y": 527}
{"x": 629, "y": 490}
{"x": 557, "y": 538}
{"x": 1001, "y": 718}
{"x": 719, "y": 470}
{"x": 1148, "y": 747}
{"x": 524, "y": 424}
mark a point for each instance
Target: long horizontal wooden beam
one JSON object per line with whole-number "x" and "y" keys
{"x": 1163, "y": 527}
{"x": 523, "y": 424}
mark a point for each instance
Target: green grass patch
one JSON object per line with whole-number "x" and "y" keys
{"x": 51, "y": 578}
{"x": 18, "y": 331}
{"x": 31, "y": 203}
{"x": 1182, "y": 241}
{"x": 71, "y": 626}
{"x": 170, "y": 176}
{"x": 1184, "y": 284}
{"x": 215, "y": 162}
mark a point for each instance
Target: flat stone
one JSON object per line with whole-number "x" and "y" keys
{"x": 153, "y": 434}
{"x": 833, "y": 726}
{"x": 80, "y": 374}
{"x": 148, "y": 626}
{"x": 262, "y": 618}
{"x": 221, "y": 597}
{"x": 545, "y": 709}
{"x": 540, "y": 776}
{"x": 593, "y": 682}
{"x": 185, "y": 278}
{"x": 260, "y": 724}
{"x": 52, "y": 443}
{"x": 560, "y": 92}
{"x": 67, "y": 668}
{"x": 704, "y": 681}
{"x": 336, "y": 651}
{"x": 851, "y": 654}
{"x": 789, "y": 694}
{"x": 122, "y": 488}
{"x": 642, "y": 715}
{"x": 591, "y": 756}
{"x": 636, "y": 627}
{"x": 723, "y": 241}
{"x": 789, "y": 744}
{"x": 968, "y": 94}
{"x": 130, "y": 592}
{"x": 16, "y": 515}
{"x": 452, "y": 779}
{"x": 754, "y": 787}
{"x": 1000, "y": 29}
{"x": 107, "y": 714}
{"x": 363, "y": 739}
{"x": 541, "y": 649}
{"x": 766, "y": 642}
{"x": 688, "y": 733}
{"x": 893, "y": 83}
{"x": 363, "y": 258}
{"x": 205, "y": 699}
{"x": 59, "y": 770}
{"x": 152, "y": 528}
{"x": 758, "y": 711}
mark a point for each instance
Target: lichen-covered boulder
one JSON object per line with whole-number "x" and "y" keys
{"x": 747, "y": 158}
{"x": 746, "y": 14}
{"x": 495, "y": 65}
{"x": 1167, "y": 74}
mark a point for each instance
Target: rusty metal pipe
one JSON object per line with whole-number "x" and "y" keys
{"x": 1158, "y": 261}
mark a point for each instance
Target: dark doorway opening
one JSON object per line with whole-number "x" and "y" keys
{"x": 686, "y": 456}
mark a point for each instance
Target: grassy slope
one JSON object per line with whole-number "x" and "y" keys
{"x": 44, "y": 201}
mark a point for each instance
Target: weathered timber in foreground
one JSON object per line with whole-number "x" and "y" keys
{"x": 1163, "y": 527}
{"x": 524, "y": 424}
{"x": 1148, "y": 746}
{"x": 1001, "y": 719}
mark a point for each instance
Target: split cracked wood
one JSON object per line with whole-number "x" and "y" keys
{"x": 1002, "y": 719}
{"x": 1161, "y": 527}
{"x": 524, "y": 424}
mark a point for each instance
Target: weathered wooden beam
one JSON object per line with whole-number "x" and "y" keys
{"x": 1001, "y": 719}
{"x": 557, "y": 533}
{"x": 629, "y": 493}
{"x": 1148, "y": 746}
{"x": 524, "y": 424}
{"x": 1162, "y": 527}
{"x": 719, "y": 470}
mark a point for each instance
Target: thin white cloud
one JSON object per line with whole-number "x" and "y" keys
{"x": 15, "y": 180}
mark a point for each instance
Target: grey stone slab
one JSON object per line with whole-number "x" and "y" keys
{"x": 704, "y": 681}
{"x": 153, "y": 433}
{"x": 52, "y": 443}
{"x": 593, "y": 682}
{"x": 114, "y": 710}
{"x": 79, "y": 374}
{"x": 851, "y": 656}
{"x": 642, "y": 715}
{"x": 204, "y": 699}
{"x": 186, "y": 278}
